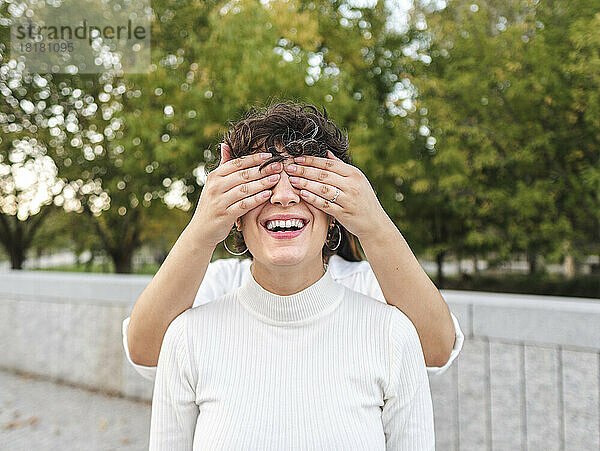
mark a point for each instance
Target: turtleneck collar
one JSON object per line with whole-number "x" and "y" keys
{"x": 314, "y": 301}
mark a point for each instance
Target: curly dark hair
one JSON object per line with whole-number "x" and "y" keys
{"x": 298, "y": 129}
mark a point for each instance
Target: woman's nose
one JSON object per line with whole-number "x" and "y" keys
{"x": 284, "y": 193}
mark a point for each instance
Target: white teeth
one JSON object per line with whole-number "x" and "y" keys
{"x": 299, "y": 223}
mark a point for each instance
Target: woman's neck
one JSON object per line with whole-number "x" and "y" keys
{"x": 287, "y": 279}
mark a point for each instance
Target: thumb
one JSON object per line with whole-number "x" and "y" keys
{"x": 225, "y": 153}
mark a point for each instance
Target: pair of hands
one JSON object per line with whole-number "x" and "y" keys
{"x": 237, "y": 186}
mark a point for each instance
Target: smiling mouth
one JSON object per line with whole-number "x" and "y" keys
{"x": 284, "y": 226}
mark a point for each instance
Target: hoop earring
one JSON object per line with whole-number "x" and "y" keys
{"x": 233, "y": 253}
{"x": 339, "y": 239}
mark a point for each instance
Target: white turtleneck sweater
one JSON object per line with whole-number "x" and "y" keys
{"x": 323, "y": 369}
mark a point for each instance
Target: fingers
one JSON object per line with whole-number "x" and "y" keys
{"x": 321, "y": 189}
{"x": 225, "y": 153}
{"x": 331, "y": 208}
{"x": 244, "y": 190}
{"x": 246, "y": 204}
{"x": 318, "y": 175}
{"x": 331, "y": 155}
{"x": 248, "y": 175}
{"x": 243, "y": 162}
{"x": 330, "y": 164}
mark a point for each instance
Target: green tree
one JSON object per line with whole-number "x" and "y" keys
{"x": 494, "y": 81}
{"x": 213, "y": 61}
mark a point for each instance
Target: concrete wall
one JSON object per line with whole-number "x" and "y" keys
{"x": 67, "y": 326}
{"x": 528, "y": 376}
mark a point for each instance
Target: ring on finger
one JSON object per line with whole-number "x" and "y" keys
{"x": 337, "y": 193}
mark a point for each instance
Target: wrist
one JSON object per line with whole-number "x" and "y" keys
{"x": 380, "y": 232}
{"x": 196, "y": 237}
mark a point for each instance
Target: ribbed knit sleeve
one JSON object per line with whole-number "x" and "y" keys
{"x": 407, "y": 411}
{"x": 174, "y": 411}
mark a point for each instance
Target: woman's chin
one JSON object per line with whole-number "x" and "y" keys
{"x": 285, "y": 257}
{"x": 285, "y": 260}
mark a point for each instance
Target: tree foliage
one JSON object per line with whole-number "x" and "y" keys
{"x": 477, "y": 124}
{"x": 514, "y": 154}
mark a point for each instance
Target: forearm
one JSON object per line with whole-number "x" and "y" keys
{"x": 170, "y": 292}
{"x": 405, "y": 285}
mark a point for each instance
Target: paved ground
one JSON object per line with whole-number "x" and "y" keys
{"x": 40, "y": 415}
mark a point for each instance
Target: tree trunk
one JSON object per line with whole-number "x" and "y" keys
{"x": 439, "y": 258}
{"x": 123, "y": 262}
{"x": 120, "y": 243}
{"x": 90, "y": 262}
{"x": 17, "y": 239}
{"x": 13, "y": 240}
{"x": 569, "y": 267}
{"x": 17, "y": 257}
{"x": 532, "y": 261}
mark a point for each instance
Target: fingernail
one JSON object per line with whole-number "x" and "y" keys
{"x": 273, "y": 178}
{"x": 276, "y": 166}
{"x": 299, "y": 159}
{"x": 266, "y": 156}
{"x": 291, "y": 168}
{"x": 294, "y": 179}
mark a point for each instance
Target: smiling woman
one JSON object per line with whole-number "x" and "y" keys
{"x": 291, "y": 359}
{"x": 287, "y": 131}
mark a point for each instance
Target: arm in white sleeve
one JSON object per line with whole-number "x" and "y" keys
{"x": 221, "y": 276}
{"x": 459, "y": 339}
{"x": 148, "y": 372}
{"x": 366, "y": 283}
{"x": 407, "y": 413}
{"x": 174, "y": 410}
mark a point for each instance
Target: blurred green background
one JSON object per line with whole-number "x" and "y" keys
{"x": 477, "y": 123}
